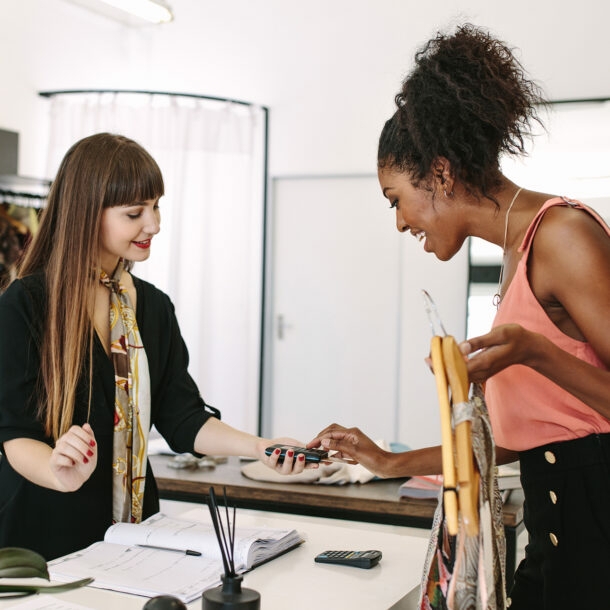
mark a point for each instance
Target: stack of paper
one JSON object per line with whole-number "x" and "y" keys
{"x": 429, "y": 486}
{"x": 422, "y": 487}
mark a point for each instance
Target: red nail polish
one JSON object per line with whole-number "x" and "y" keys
{"x": 277, "y": 452}
{"x": 290, "y": 454}
{"x": 92, "y": 443}
{"x": 85, "y": 460}
{"x": 89, "y": 452}
{"x": 301, "y": 457}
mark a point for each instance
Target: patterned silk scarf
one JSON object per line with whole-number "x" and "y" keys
{"x": 131, "y": 403}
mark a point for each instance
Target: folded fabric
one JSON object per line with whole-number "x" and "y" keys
{"x": 330, "y": 473}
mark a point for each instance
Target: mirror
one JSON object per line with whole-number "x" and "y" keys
{"x": 570, "y": 157}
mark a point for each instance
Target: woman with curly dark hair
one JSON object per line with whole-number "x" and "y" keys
{"x": 545, "y": 363}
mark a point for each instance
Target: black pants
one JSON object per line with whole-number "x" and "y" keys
{"x": 567, "y": 516}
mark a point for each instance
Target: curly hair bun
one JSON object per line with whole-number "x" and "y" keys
{"x": 467, "y": 99}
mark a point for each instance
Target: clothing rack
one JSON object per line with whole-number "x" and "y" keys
{"x": 23, "y": 191}
{"x": 24, "y": 200}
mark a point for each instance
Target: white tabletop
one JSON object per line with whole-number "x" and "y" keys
{"x": 294, "y": 581}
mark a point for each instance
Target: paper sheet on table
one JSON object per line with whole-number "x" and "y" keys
{"x": 140, "y": 571}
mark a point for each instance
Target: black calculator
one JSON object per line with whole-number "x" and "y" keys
{"x": 357, "y": 559}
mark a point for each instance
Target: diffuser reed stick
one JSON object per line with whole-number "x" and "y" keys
{"x": 227, "y": 548}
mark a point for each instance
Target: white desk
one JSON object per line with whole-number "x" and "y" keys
{"x": 293, "y": 581}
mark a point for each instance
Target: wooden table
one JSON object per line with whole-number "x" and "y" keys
{"x": 374, "y": 502}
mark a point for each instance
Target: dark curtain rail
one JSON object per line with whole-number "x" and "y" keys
{"x": 144, "y": 92}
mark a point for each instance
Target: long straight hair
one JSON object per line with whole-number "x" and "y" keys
{"x": 100, "y": 171}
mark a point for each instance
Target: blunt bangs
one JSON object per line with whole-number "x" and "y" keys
{"x": 135, "y": 176}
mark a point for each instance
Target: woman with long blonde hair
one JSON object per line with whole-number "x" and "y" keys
{"x": 91, "y": 357}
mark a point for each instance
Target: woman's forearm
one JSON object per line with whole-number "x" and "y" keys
{"x": 217, "y": 438}
{"x": 64, "y": 467}
{"x": 425, "y": 461}
{"x": 422, "y": 462}
{"x": 31, "y": 459}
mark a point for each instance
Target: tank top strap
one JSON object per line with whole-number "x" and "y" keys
{"x": 526, "y": 244}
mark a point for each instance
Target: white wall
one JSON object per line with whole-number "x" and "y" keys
{"x": 327, "y": 70}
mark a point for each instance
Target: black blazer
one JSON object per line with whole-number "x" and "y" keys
{"x": 55, "y": 523}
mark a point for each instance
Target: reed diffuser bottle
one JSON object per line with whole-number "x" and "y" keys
{"x": 230, "y": 595}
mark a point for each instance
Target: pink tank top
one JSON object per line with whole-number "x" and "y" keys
{"x": 525, "y": 408}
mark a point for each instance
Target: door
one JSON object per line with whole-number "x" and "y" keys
{"x": 333, "y": 313}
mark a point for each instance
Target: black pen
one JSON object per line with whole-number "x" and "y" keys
{"x": 165, "y": 548}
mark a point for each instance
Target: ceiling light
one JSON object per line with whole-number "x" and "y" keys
{"x": 130, "y": 11}
{"x": 149, "y": 10}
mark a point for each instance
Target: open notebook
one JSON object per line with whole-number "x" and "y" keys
{"x": 167, "y": 555}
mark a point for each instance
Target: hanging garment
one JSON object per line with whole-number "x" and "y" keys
{"x": 14, "y": 236}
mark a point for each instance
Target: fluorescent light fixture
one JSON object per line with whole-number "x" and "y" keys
{"x": 149, "y": 10}
{"x": 130, "y": 12}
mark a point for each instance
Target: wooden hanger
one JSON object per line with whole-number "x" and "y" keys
{"x": 447, "y": 446}
{"x": 460, "y": 478}
{"x": 467, "y": 477}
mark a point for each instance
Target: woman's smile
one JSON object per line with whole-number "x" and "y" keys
{"x": 144, "y": 245}
{"x": 419, "y": 235}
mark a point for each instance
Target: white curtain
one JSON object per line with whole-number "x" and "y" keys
{"x": 208, "y": 256}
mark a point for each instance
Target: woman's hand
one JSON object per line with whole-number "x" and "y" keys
{"x": 293, "y": 464}
{"x": 74, "y": 457}
{"x": 353, "y": 444}
{"x": 217, "y": 438}
{"x": 503, "y": 346}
